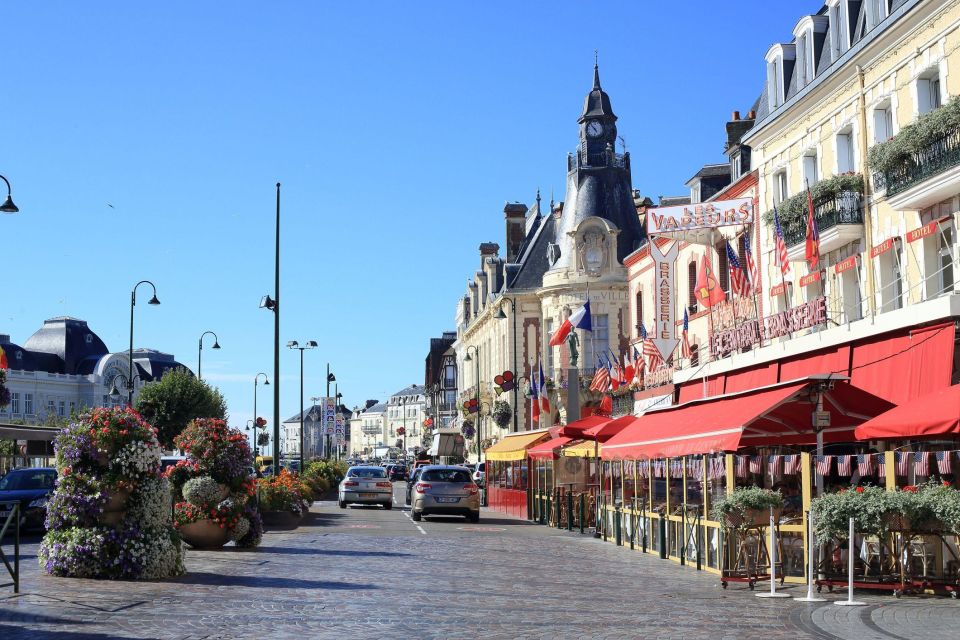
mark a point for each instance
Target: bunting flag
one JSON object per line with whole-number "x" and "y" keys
{"x": 944, "y": 465}
{"x": 812, "y": 253}
{"x": 881, "y": 466}
{"x": 601, "y": 379}
{"x": 686, "y": 352}
{"x": 824, "y": 463}
{"x": 774, "y": 465}
{"x": 542, "y": 391}
{"x": 782, "y": 256}
{"x": 738, "y": 277}
{"x": 741, "y": 466}
{"x": 921, "y": 463}
{"x": 717, "y": 469}
{"x": 903, "y": 464}
{"x": 654, "y": 361}
{"x": 791, "y": 464}
{"x": 865, "y": 464}
{"x": 756, "y": 464}
{"x": 658, "y": 468}
{"x": 752, "y": 271}
{"x": 845, "y": 466}
{"x": 642, "y": 468}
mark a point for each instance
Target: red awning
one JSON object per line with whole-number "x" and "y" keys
{"x": 603, "y": 432}
{"x": 932, "y": 415}
{"x": 549, "y": 449}
{"x": 576, "y": 428}
{"x": 776, "y": 415}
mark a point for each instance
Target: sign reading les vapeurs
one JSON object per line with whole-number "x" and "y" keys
{"x": 709, "y": 215}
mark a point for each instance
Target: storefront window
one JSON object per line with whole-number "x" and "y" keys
{"x": 695, "y": 482}
{"x": 676, "y": 484}
{"x": 629, "y": 482}
{"x": 617, "y": 479}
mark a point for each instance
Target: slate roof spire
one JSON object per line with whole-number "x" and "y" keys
{"x": 597, "y": 103}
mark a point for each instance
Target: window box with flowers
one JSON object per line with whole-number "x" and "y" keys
{"x": 748, "y": 507}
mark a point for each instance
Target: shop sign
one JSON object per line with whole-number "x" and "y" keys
{"x": 658, "y": 378}
{"x": 807, "y": 315}
{"x": 731, "y": 313}
{"x": 881, "y": 248}
{"x": 709, "y": 215}
{"x": 926, "y": 230}
{"x": 665, "y": 329}
{"x": 845, "y": 265}
{"x": 810, "y": 278}
{"x": 741, "y": 336}
{"x": 778, "y": 290}
{"x": 653, "y": 402}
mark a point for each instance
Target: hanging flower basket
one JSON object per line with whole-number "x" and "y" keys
{"x": 204, "y": 534}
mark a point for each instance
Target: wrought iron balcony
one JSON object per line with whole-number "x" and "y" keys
{"x": 843, "y": 207}
{"x": 938, "y": 156}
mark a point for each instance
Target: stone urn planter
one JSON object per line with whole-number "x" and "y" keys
{"x": 281, "y": 519}
{"x": 204, "y": 534}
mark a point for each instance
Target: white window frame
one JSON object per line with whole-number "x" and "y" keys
{"x": 838, "y": 14}
{"x": 924, "y": 99}
{"x": 804, "y": 67}
{"x": 776, "y": 94}
{"x": 877, "y": 11}
{"x": 884, "y": 121}
{"x": 15, "y": 403}
{"x": 781, "y": 185}
{"x": 811, "y": 167}
{"x": 28, "y": 404}
{"x": 845, "y": 156}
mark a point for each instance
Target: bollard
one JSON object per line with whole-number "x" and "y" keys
{"x": 850, "y": 602}
{"x": 618, "y": 536}
{"x": 569, "y": 511}
{"x": 773, "y": 563}
{"x": 699, "y": 542}
{"x": 663, "y": 538}
{"x": 581, "y": 513}
{"x": 683, "y": 539}
{"x": 643, "y": 517}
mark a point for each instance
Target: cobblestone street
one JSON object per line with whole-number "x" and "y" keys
{"x": 361, "y": 573}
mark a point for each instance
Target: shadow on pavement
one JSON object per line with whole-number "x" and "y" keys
{"x": 267, "y": 582}
{"x": 15, "y": 633}
{"x": 304, "y": 551}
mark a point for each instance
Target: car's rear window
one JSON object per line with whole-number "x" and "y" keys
{"x": 370, "y": 472}
{"x": 28, "y": 480}
{"x": 446, "y": 475}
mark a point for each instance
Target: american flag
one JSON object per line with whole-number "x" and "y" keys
{"x": 782, "y": 256}
{"x": 791, "y": 464}
{"x": 865, "y": 464}
{"x": 752, "y": 270}
{"x": 943, "y": 462}
{"x": 654, "y": 360}
{"x": 823, "y": 465}
{"x": 717, "y": 467}
{"x": 774, "y": 465}
{"x": 738, "y": 278}
{"x": 658, "y": 468}
{"x": 676, "y": 468}
{"x": 881, "y": 465}
{"x": 921, "y": 463}
{"x": 756, "y": 464}
{"x": 638, "y": 366}
{"x": 601, "y": 379}
{"x": 845, "y": 465}
{"x": 685, "y": 351}
{"x": 903, "y": 464}
{"x": 741, "y": 466}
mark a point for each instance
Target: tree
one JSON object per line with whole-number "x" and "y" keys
{"x": 179, "y": 397}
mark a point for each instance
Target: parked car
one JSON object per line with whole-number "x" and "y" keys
{"x": 445, "y": 490}
{"x": 398, "y": 472}
{"x": 366, "y": 485}
{"x": 32, "y": 488}
{"x": 414, "y": 476}
{"x": 480, "y": 474}
{"x": 170, "y": 461}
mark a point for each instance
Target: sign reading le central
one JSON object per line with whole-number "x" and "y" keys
{"x": 747, "y": 334}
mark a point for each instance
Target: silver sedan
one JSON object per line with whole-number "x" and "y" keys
{"x": 366, "y": 485}
{"x": 446, "y": 490}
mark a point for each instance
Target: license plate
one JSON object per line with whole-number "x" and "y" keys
{"x": 448, "y": 499}
{"x": 368, "y": 495}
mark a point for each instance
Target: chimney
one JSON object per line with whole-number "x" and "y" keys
{"x": 751, "y": 115}
{"x": 514, "y": 213}
{"x": 735, "y": 115}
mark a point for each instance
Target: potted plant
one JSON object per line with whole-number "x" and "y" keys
{"x": 748, "y": 507}
{"x": 281, "y": 503}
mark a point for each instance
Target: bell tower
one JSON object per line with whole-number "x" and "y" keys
{"x": 598, "y": 127}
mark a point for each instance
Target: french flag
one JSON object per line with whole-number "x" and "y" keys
{"x": 579, "y": 319}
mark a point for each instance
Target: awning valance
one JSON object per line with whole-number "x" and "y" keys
{"x": 515, "y": 445}
{"x": 549, "y": 449}
{"x": 585, "y": 449}
{"x": 780, "y": 414}
{"x": 576, "y": 428}
{"x": 932, "y": 415}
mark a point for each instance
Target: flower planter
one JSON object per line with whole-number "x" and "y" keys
{"x": 281, "y": 519}
{"x": 204, "y": 534}
{"x": 896, "y": 521}
{"x": 116, "y": 500}
{"x": 753, "y": 518}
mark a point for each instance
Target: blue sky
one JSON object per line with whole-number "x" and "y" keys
{"x": 397, "y": 129}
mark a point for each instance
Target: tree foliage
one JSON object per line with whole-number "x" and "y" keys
{"x": 179, "y": 397}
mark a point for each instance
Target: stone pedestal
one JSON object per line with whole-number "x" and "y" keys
{"x": 573, "y": 395}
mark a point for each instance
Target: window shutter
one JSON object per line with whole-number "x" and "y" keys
{"x": 692, "y": 278}
{"x": 723, "y": 269}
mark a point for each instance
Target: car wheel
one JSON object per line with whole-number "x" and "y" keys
{"x": 343, "y": 504}
{"x": 388, "y": 505}
{"x": 474, "y": 517}
{"x": 417, "y": 517}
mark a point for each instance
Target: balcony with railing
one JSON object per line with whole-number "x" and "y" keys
{"x": 839, "y": 219}
{"x": 581, "y": 159}
{"x": 926, "y": 176}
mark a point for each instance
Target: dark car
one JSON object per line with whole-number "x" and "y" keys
{"x": 31, "y": 488}
{"x": 398, "y": 472}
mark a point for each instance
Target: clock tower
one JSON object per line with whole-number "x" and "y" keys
{"x": 598, "y": 124}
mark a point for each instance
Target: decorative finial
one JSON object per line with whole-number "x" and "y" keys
{"x": 551, "y": 200}
{"x": 538, "y": 198}
{"x": 596, "y": 72}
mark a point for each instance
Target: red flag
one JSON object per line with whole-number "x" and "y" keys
{"x": 813, "y": 235}
{"x": 3, "y": 359}
{"x": 708, "y": 290}
{"x": 606, "y": 405}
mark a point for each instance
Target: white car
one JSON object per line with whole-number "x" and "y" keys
{"x": 480, "y": 474}
{"x": 366, "y": 485}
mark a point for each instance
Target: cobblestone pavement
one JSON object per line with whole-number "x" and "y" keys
{"x": 366, "y": 573}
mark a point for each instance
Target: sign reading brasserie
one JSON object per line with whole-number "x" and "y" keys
{"x": 709, "y": 215}
{"x": 747, "y": 334}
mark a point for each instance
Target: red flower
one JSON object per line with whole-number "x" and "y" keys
{"x": 859, "y": 489}
{"x": 946, "y": 484}
{"x": 910, "y": 488}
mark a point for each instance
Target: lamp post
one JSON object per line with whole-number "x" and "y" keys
{"x": 216, "y": 345}
{"x": 127, "y": 384}
{"x": 266, "y": 382}
{"x": 8, "y": 206}
{"x": 502, "y": 316}
{"x": 326, "y": 436}
{"x": 133, "y": 303}
{"x": 293, "y": 344}
{"x": 273, "y": 304}
{"x": 476, "y": 353}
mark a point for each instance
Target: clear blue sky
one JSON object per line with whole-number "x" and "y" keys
{"x": 398, "y": 130}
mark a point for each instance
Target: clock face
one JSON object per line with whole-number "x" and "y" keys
{"x": 594, "y": 129}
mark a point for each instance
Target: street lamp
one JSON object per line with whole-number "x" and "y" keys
{"x": 216, "y": 345}
{"x": 293, "y": 344}
{"x": 502, "y": 316}
{"x": 133, "y": 302}
{"x": 8, "y": 206}
{"x": 266, "y": 382}
{"x": 326, "y": 436}
{"x": 476, "y": 352}
{"x": 128, "y": 383}
{"x": 273, "y": 304}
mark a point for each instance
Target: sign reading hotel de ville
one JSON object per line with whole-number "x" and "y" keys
{"x": 665, "y": 327}
{"x": 705, "y": 217}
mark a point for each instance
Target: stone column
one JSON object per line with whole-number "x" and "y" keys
{"x": 573, "y": 394}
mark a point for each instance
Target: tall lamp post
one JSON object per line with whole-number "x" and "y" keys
{"x": 273, "y": 304}
{"x": 8, "y": 206}
{"x": 266, "y": 382}
{"x": 293, "y": 344}
{"x": 216, "y": 345}
{"x": 476, "y": 356}
{"x": 326, "y": 436}
{"x": 133, "y": 303}
{"x": 502, "y": 316}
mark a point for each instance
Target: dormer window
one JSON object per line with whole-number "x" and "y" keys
{"x": 804, "y": 44}
{"x": 876, "y": 12}
{"x": 839, "y": 16}
{"x": 779, "y": 58}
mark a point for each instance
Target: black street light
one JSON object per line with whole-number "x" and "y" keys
{"x": 326, "y": 398}
{"x": 133, "y": 303}
{"x": 293, "y": 344}
{"x": 273, "y": 304}
{"x": 8, "y": 206}
{"x": 502, "y": 316}
{"x": 476, "y": 352}
{"x": 127, "y": 384}
{"x": 266, "y": 382}
{"x": 216, "y": 345}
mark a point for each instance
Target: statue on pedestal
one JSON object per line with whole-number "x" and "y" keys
{"x": 573, "y": 342}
